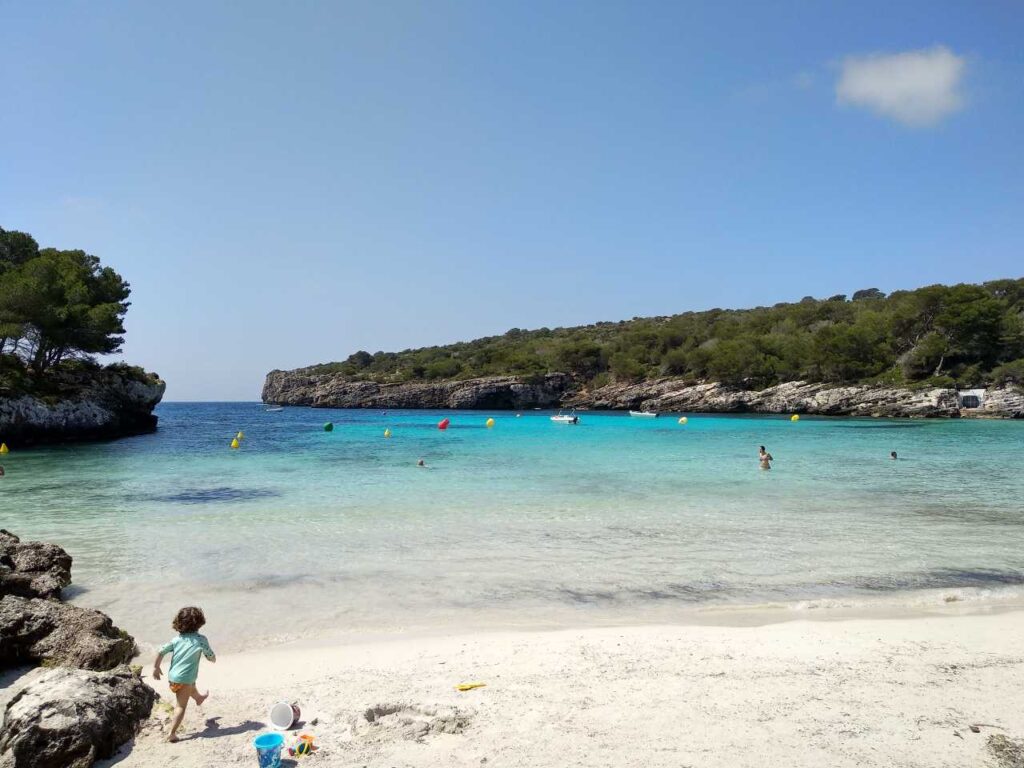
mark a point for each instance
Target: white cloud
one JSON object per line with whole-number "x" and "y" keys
{"x": 914, "y": 87}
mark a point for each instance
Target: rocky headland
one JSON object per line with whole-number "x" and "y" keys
{"x": 556, "y": 390}
{"x": 83, "y": 701}
{"x": 98, "y": 404}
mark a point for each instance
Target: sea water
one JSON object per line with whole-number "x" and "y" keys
{"x": 302, "y": 532}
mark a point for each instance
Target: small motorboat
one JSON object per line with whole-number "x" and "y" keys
{"x": 566, "y": 418}
{"x": 275, "y": 409}
{"x": 644, "y": 414}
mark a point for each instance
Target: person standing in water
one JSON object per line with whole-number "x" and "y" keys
{"x": 765, "y": 458}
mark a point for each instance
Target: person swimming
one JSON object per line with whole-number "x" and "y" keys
{"x": 892, "y": 455}
{"x": 421, "y": 463}
{"x": 765, "y": 458}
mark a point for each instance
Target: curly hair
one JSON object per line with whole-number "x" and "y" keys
{"x": 189, "y": 619}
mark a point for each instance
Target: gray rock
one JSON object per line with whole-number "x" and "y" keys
{"x": 54, "y": 633}
{"x": 491, "y": 392}
{"x": 1003, "y": 403}
{"x": 69, "y": 718}
{"x": 333, "y": 390}
{"x": 789, "y": 397}
{"x": 32, "y": 568}
{"x": 101, "y": 404}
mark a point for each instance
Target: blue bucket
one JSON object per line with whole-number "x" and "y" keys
{"x": 268, "y": 749}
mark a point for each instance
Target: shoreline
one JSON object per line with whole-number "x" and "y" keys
{"x": 856, "y": 692}
{"x": 894, "y": 606}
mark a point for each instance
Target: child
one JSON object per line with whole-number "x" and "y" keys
{"x": 185, "y": 650}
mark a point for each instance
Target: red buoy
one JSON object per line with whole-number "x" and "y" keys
{"x": 443, "y": 423}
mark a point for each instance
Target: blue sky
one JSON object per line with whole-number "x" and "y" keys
{"x": 286, "y": 183}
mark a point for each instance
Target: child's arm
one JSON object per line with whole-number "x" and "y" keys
{"x": 156, "y": 666}
{"x": 162, "y": 651}
{"x": 208, "y": 651}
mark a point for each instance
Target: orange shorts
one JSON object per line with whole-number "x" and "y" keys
{"x": 175, "y": 687}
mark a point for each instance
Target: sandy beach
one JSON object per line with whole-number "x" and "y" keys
{"x": 861, "y": 692}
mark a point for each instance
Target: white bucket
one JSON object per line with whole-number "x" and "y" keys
{"x": 284, "y": 715}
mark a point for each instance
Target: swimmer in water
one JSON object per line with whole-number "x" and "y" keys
{"x": 892, "y": 455}
{"x": 421, "y": 463}
{"x": 765, "y": 458}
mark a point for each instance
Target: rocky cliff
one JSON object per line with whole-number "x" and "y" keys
{"x": 491, "y": 393}
{"x": 88, "y": 405}
{"x": 667, "y": 394}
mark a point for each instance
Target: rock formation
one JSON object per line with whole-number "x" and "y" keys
{"x": 93, "y": 405}
{"x": 69, "y": 718}
{"x": 665, "y": 394}
{"x": 74, "y": 711}
{"x": 32, "y": 569}
{"x": 492, "y": 392}
{"x": 34, "y": 631}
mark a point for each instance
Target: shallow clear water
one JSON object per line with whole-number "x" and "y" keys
{"x": 529, "y": 523}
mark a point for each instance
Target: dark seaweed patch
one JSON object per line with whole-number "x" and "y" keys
{"x": 214, "y": 495}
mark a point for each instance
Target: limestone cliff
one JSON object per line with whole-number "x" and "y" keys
{"x": 87, "y": 405}
{"x": 666, "y": 394}
{"x": 337, "y": 391}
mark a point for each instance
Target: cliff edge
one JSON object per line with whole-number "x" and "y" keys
{"x": 98, "y": 404}
{"x": 556, "y": 390}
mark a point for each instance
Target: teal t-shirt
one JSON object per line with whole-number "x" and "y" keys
{"x": 185, "y": 651}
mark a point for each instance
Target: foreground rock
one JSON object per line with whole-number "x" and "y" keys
{"x": 32, "y": 568}
{"x": 34, "y": 631}
{"x": 666, "y": 394}
{"x": 69, "y": 718}
{"x": 91, "y": 405}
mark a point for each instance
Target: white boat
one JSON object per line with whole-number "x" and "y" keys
{"x": 644, "y": 414}
{"x": 566, "y": 418}
{"x": 275, "y": 409}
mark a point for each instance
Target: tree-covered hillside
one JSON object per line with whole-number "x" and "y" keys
{"x": 938, "y": 335}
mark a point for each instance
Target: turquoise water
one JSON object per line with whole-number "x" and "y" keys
{"x": 301, "y": 531}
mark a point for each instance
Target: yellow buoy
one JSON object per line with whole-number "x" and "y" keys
{"x": 4, "y": 448}
{"x": 795, "y": 417}
{"x": 234, "y": 443}
{"x": 387, "y": 433}
{"x": 240, "y": 435}
{"x": 489, "y": 423}
{"x": 682, "y": 419}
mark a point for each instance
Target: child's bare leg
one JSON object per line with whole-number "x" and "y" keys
{"x": 198, "y": 697}
{"x": 182, "y": 697}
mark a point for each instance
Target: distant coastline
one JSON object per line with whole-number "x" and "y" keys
{"x": 667, "y": 394}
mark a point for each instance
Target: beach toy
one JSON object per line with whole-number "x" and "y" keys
{"x": 387, "y": 433}
{"x": 234, "y": 443}
{"x": 443, "y": 423}
{"x": 489, "y": 423}
{"x": 239, "y": 436}
{"x": 302, "y": 747}
{"x": 4, "y": 448}
{"x": 284, "y": 715}
{"x": 329, "y": 426}
{"x": 795, "y": 417}
{"x": 268, "y": 749}
{"x": 469, "y": 686}
{"x": 682, "y": 419}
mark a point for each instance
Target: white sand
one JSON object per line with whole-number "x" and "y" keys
{"x": 899, "y": 692}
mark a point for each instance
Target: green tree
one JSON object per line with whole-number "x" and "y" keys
{"x": 62, "y": 304}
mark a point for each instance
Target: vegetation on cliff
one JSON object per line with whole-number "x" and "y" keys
{"x": 57, "y": 309}
{"x": 964, "y": 335}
